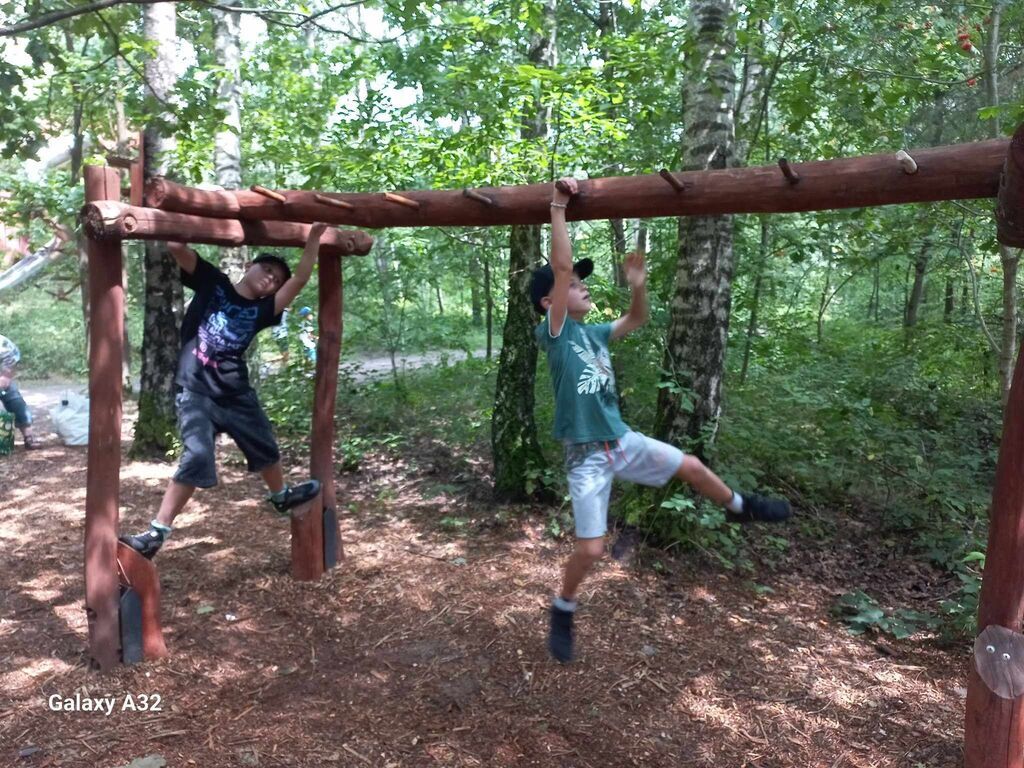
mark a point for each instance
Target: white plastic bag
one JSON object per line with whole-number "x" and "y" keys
{"x": 71, "y": 418}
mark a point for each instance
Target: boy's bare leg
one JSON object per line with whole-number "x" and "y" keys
{"x": 703, "y": 480}
{"x": 288, "y": 499}
{"x": 743, "y": 509}
{"x": 175, "y": 498}
{"x": 148, "y": 542}
{"x": 273, "y": 476}
{"x": 584, "y": 555}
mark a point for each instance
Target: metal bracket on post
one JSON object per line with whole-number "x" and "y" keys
{"x": 330, "y": 538}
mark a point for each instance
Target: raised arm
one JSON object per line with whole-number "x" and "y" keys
{"x": 185, "y": 256}
{"x": 286, "y": 293}
{"x": 561, "y": 254}
{"x": 638, "y": 314}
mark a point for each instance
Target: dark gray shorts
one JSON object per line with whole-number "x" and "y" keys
{"x": 202, "y": 418}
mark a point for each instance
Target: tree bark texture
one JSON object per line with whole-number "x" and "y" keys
{"x": 155, "y": 427}
{"x": 227, "y": 143}
{"x": 699, "y": 319}
{"x": 513, "y": 430}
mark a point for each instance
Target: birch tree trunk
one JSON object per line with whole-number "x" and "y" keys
{"x": 155, "y": 428}
{"x": 699, "y": 321}
{"x": 227, "y": 143}
{"x": 513, "y": 429}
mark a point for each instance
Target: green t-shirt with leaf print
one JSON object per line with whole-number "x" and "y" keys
{"x": 586, "y": 403}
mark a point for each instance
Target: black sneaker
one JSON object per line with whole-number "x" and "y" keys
{"x": 296, "y": 495}
{"x": 626, "y": 542}
{"x": 146, "y": 544}
{"x": 761, "y": 509}
{"x": 560, "y": 641}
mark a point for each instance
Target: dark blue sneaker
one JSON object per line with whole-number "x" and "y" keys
{"x": 560, "y": 641}
{"x": 296, "y": 495}
{"x": 625, "y": 543}
{"x": 146, "y": 544}
{"x": 762, "y": 510}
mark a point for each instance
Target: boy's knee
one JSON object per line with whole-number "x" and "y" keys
{"x": 592, "y": 549}
{"x": 691, "y": 470}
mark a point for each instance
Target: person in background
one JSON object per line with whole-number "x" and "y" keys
{"x": 10, "y": 395}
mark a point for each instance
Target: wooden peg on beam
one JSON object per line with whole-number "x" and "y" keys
{"x": 119, "y": 161}
{"x": 791, "y": 176}
{"x": 333, "y": 202}
{"x": 668, "y": 176}
{"x": 393, "y": 198}
{"x": 268, "y": 193}
{"x": 907, "y": 163}
{"x": 474, "y": 195}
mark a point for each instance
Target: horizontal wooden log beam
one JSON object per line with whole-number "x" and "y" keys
{"x": 109, "y": 219}
{"x": 1010, "y": 205}
{"x": 957, "y": 172}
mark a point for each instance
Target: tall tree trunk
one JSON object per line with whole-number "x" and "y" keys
{"x": 489, "y": 299}
{"x": 475, "y": 302}
{"x": 513, "y": 430}
{"x": 875, "y": 291}
{"x": 227, "y": 143}
{"x": 641, "y": 235}
{"x": 762, "y": 263}
{"x": 155, "y": 428}
{"x": 823, "y": 301}
{"x": 607, "y": 26}
{"x": 123, "y": 141}
{"x": 75, "y": 179}
{"x": 949, "y": 305}
{"x": 917, "y": 289}
{"x": 699, "y": 322}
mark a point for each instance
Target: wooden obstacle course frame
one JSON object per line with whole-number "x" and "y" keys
{"x": 111, "y": 566}
{"x": 994, "y": 732}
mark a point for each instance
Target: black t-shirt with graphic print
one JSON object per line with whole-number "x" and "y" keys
{"x": 218, "y": 327}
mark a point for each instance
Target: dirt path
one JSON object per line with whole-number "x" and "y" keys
{"x": 426, "y": 646}
{"x": 45, "y": 394}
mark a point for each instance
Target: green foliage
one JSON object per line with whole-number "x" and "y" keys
{"x": 156, "y": 431}
{"x": 861, "y": 613}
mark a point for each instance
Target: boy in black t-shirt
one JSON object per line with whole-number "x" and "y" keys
{"x": 213, "y": 374}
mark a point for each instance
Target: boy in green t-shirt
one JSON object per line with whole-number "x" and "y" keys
{"x": 598, "y": 445}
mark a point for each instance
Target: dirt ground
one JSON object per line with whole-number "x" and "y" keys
{"x": 426, "y": 646}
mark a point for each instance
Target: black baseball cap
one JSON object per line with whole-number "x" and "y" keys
{"x": 544, "y": 279}
{"x": 272, "y": 258}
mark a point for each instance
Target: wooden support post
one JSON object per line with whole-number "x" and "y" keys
{"x": 106, "y": 342}
{"x": 276, "y": 196}
{"x": 668, "y": 176}
{"x": 107, "y": 219}
{"x": 472, "y": 194}
{"x": 307, "y": 533}
{"x": 907, "y": 163}
{"x": 791, "y": 176}
{"x": 391, "y": 197}
{"x": 1010, "y": 203}
{"x": 333, "y": 201}
{"x": 994, "y": 727}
